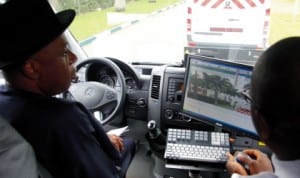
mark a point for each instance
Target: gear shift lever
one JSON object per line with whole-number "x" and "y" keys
{"x": 154, "y": 132}
{"x": 156, "y": 139}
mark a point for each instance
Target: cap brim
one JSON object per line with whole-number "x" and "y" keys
{"x": 65, "y": 17}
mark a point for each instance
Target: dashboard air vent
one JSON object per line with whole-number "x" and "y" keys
{"x": 155, "y": 87}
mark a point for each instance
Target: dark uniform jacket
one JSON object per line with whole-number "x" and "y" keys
{"x": 66, "y": 137}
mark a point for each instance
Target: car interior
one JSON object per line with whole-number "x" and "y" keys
{"x": 159, "y": 98}
{"x": 159, "y": 104}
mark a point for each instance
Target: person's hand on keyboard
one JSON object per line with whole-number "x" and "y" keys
{"x": 255, "y": 160}
{"x": 234, "y": 166}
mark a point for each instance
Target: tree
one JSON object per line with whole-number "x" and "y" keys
{"x": 120, "y": 5}
{"x": 105, "y": 3}
{"x": 218, "y": 84}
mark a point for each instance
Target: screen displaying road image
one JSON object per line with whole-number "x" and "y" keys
{"x": 214, "y": 93}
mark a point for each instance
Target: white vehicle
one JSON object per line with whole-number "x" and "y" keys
{"x": 215, "y": 26}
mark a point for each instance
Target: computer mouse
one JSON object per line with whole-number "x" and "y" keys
{"x": 239, "y": 154}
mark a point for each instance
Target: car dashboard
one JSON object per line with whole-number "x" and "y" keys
{"x": 153, "y": 91}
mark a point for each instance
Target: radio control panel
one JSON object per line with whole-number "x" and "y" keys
{"x": 172, "y": 96}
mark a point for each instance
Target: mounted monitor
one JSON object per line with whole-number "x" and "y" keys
{"x": 213, "y": 94}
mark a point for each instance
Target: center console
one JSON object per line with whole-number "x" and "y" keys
{"x": 164, "y": 109}
{"x": 171, "y": 96}
{"x": 165, "y": 99}
{"x": 173, "y": 84}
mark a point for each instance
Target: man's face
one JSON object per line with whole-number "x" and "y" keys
{"x": 56, "y": 67}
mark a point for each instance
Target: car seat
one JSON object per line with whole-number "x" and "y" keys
{"x": 17, "y": 156}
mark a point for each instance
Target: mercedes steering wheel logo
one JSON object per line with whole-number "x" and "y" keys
{"x": 90, "y": 92}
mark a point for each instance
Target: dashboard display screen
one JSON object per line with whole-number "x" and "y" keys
{"x": 213, "y": 93}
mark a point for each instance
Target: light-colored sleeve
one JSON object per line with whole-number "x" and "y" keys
{"x": 17, "y": 157}
{"x": 260, "y": 175}
{"x": 234, "y": 175}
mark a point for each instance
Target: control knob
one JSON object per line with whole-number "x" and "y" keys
{"x": 169, "y": 114}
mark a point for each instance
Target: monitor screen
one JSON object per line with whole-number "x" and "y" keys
{"x": 214, "y": 93}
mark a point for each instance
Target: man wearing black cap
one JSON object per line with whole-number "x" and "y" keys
{"x": 37, "y": 64}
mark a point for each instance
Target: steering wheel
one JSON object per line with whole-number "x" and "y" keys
{"x": 99, "y": 97}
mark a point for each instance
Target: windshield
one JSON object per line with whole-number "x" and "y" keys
{"x": 163, "y": 31}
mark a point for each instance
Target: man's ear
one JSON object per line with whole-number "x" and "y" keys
{"x": 261, "y": 125}
{"x": 30, "y": 69}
